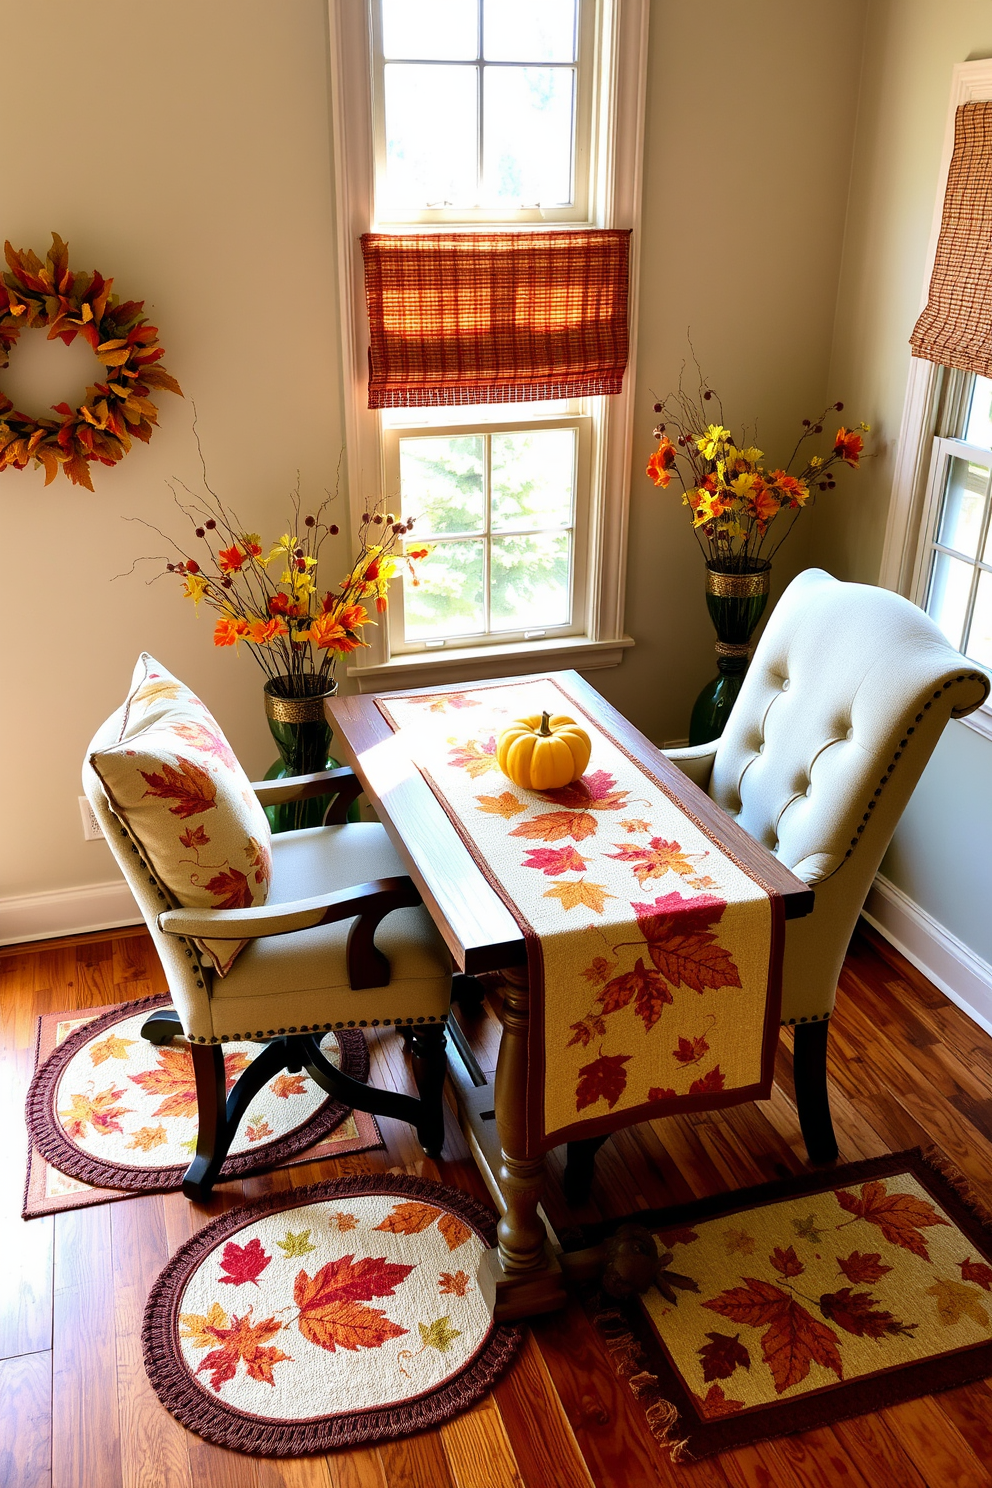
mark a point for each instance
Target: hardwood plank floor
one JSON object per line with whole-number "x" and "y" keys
{"x": 76, "y": 1410}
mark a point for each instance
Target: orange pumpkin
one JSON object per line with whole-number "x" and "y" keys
{"x": 543, "y": 752}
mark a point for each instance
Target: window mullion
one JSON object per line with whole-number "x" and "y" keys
{"x": 487, "y": 474}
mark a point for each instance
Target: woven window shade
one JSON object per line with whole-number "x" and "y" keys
{"x": 955, "y": 329}
{"x": 495, "y": 317}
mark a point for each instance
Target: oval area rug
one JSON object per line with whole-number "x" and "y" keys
{"x": 341, "y": 1313}
{"x": 111, "y": 1109}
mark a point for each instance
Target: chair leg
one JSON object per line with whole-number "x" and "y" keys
{"x": 162, "y": 1026}
{"x": 580, "y": 1167}
{"x": 812, "y": 1100}
{"x": 212, "y": 1138}
{"x": 430, "y": 1068}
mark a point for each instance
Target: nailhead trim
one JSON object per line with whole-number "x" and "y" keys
{"x": 813, "y": 1018}
{"x": 271, "y": 1033}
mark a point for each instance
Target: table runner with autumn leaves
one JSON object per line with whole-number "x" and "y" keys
{"x": 654, "y": 957}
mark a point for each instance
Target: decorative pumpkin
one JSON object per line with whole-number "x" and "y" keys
{"x": 543, "y": 752}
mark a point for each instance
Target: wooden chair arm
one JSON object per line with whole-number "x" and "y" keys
{"x": 343, "y": 784}
{"x": 370, "y": 902}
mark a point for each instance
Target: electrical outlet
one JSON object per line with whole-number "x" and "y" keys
{"x": 92, "y": 830}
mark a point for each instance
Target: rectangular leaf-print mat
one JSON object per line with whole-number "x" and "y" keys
{"x": 785, "y": 1307}
{"x": 47, "y": 1191}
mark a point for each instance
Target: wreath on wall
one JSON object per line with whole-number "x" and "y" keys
{"x": 48, "y": 296}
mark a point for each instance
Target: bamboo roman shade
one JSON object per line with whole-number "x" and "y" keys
{"x": 955, "y": 329}
{"x": 495, "y": 317}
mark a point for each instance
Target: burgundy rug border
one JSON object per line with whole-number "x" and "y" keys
{"x": 226, "y": 1426}
{"x": 47, "y": 1136}
{"x": 692, "y": 1436}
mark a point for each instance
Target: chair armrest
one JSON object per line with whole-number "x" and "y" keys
{"x": 343, "y": 784}
{"x": 695, "y": 760}
{"x": 370, "y": 902}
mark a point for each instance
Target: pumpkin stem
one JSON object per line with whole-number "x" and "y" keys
{"x": 545, "y": 729}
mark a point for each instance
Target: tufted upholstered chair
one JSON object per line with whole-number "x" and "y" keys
{"x": 848, "y": 692}
{"x": 341, "y": 942}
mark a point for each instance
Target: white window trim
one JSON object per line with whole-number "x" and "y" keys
{"x": 912, "y": 502}
{"x": 618, "y": 195}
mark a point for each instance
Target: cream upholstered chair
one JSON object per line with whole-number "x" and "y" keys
{"x": 341, "y": 941}
{"x": 848, "y": 692}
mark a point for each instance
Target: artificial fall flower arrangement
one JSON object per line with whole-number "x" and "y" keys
{"x": 294, "y": 627}
{"x": 733, "y": 498}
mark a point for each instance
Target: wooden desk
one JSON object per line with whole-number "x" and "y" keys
{"x": 523, "y": 1276}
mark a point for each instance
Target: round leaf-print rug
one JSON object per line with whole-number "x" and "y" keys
{"x": 111, "y": 1109}
{"x": 341, "y": 1313}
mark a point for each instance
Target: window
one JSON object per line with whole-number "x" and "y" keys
{"x": 466, "y": 115}
{"x": 956, "y": 572}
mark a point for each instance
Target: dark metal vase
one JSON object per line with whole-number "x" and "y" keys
{"x": 303, "y": 737}
{"x": 736, "y": 602}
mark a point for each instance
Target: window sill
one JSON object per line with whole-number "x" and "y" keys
{"x": 471, "y": 663}
{"x": 980, "y": 721}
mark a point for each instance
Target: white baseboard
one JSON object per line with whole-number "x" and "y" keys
{"x": 102, "y": 906}
{"x": 951, "y": 965}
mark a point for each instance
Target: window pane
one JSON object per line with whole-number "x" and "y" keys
{"x": 448, "y": 597}
{"x": 442, "y": 483}
{"x": 431, "y": 147}
{"x": 529, "y": 581}
{"x": 528, "y": 136}
{"x": 433, "y": 29}
{"x": 963, "y": 507}
{"x": 979, "y": 430}
{"x": 532, "y": 479}
{"x": 948, "y": 598}
{"x": 525, "y": 31}
{"x": 979, "y": 645}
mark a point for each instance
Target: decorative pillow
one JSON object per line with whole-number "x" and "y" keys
{"x": 171, "y": 777}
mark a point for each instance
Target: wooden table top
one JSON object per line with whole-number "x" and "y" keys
{"x": 479, "y": 930}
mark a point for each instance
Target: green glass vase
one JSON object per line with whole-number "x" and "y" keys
{"x": 303, "y": 735}
{"x": 736, "y": 602}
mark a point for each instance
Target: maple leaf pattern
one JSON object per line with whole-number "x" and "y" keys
{"x": 147, "y": 1137}
{"x": 681, "y": 943}
{"x": 857, "y": 1313}
{"x": 635, "y": 824}
{"x": 331, "y": 1303}
{"x": 207, "y": 739}
{"x": 193, "y": 1325}
{"x": 670, "y": 1283}
{"x": 296, "y": 1245}
{"x": 190, "y": 787}
{"x": 100, "y": 1111}
{"x": 786, "y": 1261}
{"x": 977, "y": 1272}
{"x": 409, "y": 1218}
{"x": 243, "y": 1342}
{"x": 794, "y": 1339}
{"x": 505, "y": 805}
{"x": 690, "y": 1051}
{"x": 260, "y": 860}
{"x": 955, "y": 1300}
{"x": 243, "y": 1262}
{"x": 257, "y": 1128}
{"x": 661, "y": 1092}
{"x": 655, "y": 860}
{"x": 194, "y": 837}
{"x": 174, "y": 1080}
{"x": 586, "y": 1030}
{"x": 806, "y": 1230}
{"x": 599, "y": 971}
{"x": 604, "y": 1079}
{"x": 230, "y": 889}
{"x": 714, "y": 1405}
{"x": 595, "y": 792}
{"x": 287, "y": 1085}
{"x": 580, "y": 894}
{"x": 680, "y": 1235}
{"x": 552, "y": 826}
{"x": 861, "y": 1268}
{"x": 438, "y": 1335}
{"x": 453, "y": 1230}
{"x": 345, "y": 1222}
{"x": 706, "y": 1084}
{"x": 111, "y": 1047}
{"x": 722, "y": 1355}
{"x": 553, "y": 860}
{"x": 455, "y": 1284}
{"x": 899, "y": 1216}
{"x": 738, "y": 1242}
{"x": 646, "y": 987}
{"x": 474, "y": 757}
{"x": 453, "y": 700}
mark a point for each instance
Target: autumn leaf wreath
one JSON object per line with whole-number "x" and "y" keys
{"x": 36, "y": 295}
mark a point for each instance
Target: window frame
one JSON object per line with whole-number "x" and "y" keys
{"x": 934, "y": 407}
{"x": 583, "y": 140}
{"x": 945, "y": 449}
{"x": 581, "y": 422}
{"x": 618, "y": 119}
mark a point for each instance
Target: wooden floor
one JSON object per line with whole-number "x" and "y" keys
{"x": 76, "y": 1410}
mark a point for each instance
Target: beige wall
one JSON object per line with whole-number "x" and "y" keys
{"x": 202, "y": 180}
{"x": 942, "y": 853}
